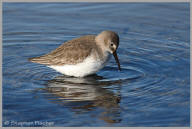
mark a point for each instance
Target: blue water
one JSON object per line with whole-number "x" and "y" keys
{"x": 153, "y": 88}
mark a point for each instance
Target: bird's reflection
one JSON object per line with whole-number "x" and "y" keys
{"x": 86, "y": 94}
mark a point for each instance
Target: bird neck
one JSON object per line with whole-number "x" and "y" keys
{"x": 99, "y": 40}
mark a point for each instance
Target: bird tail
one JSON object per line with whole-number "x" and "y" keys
{"x": 40, "y": 60}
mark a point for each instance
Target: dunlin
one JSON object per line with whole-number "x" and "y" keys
{"x": 82, "y": 56}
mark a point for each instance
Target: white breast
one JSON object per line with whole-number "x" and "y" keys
{"x": 89, "y": 66}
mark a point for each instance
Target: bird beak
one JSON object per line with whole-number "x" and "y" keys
{"x": 117, "y": 60}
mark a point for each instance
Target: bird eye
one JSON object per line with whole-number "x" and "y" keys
{"x": 111, "y": 44}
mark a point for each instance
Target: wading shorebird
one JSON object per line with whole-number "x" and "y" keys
{"x": 82, "y": 56}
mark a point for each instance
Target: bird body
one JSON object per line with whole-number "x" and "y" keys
{"x": 89, "y": 66}
{"x": 82, "y": 56}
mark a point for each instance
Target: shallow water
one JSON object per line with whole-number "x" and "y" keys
{"x": 153, "y": 88}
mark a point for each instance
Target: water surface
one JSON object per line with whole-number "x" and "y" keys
{"x": 153, "y": 88}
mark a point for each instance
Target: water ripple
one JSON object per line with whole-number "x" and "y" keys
{"x": 151, "y": 90}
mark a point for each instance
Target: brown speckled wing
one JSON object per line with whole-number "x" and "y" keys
{"x": 70, "y": 52}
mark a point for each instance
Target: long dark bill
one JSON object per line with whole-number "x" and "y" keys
{"x": 117, "y": 60}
